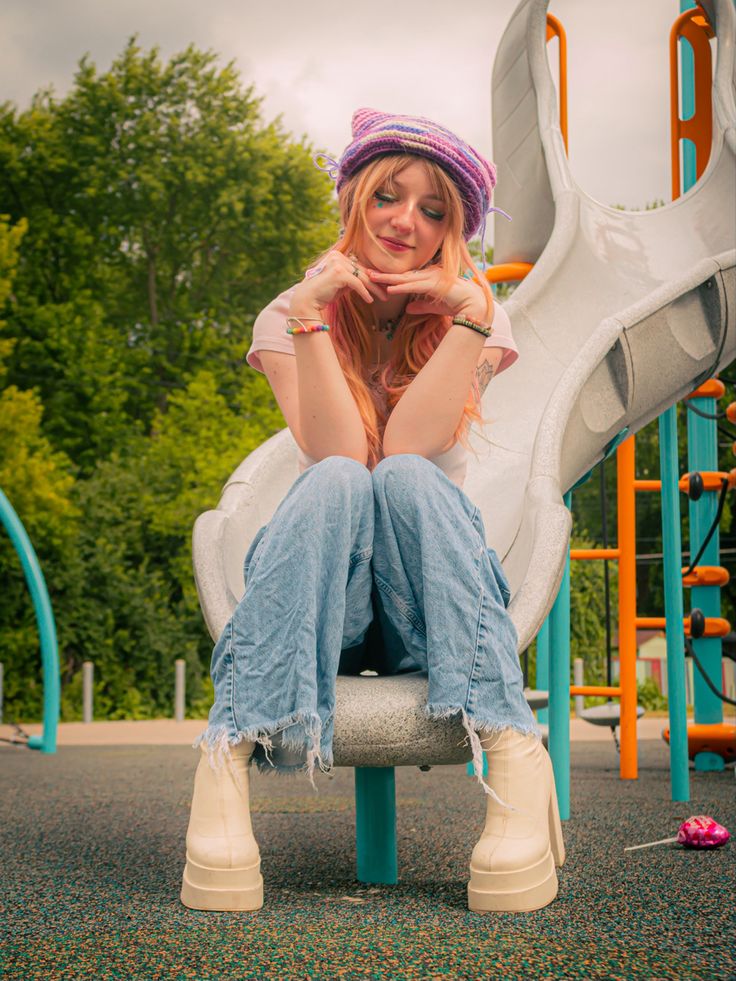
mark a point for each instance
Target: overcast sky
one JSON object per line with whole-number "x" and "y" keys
{"x": 315, "y": 62}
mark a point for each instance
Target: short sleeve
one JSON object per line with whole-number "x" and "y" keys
{"x": 502, "y": 337}
{"x": 269, "y": 330}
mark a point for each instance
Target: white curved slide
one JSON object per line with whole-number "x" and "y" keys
{"x": 623, "y": 314}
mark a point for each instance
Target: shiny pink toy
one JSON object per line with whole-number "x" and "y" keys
{"x": 700, "y": 831}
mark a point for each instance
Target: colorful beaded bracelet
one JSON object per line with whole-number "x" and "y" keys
{"x": 301, "y": 329}
{"x": 474, "y": 325}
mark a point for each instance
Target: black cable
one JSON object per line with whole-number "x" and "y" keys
{"x": 726, "y": 432}
{"x": 705, "y": 415}
{"x": 706, "y": 679}
{"x": 714, "y": 525}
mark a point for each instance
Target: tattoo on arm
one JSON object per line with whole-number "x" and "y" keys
{"x": 484, "y": 373}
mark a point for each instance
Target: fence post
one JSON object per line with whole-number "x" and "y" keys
{"x": 578, "y": 677}
{"x": 179, "y": 689}
{"x": 88, "y": 671}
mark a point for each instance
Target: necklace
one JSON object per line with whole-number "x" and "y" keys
{"x": 389, "y": 327}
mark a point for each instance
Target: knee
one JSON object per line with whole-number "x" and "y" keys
{"x": 402, "y": 468}
{"x": 342, "y": 474}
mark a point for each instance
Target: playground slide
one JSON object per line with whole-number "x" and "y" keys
{"x": 623, "y": 314}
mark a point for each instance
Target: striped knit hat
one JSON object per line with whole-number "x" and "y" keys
{"x": 377, "y": 133}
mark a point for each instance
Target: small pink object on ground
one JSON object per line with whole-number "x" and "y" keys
{"x": 702, "y": 831}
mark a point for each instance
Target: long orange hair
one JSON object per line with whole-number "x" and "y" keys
{"x": 417, "y": 335}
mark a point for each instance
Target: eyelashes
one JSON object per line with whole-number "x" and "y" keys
{"x": 384, "y": 198}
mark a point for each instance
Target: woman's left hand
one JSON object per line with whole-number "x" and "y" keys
{"x": 464, "y": 297}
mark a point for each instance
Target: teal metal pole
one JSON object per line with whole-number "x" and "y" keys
{"x": 375, "y": 824}
{"x": 542, "y": 682}
{"x": 559, "y": 687}
{"x": 46, "y": 626}
{"x": 702, "y": 455}
{"x": 702, "y": 445}
{"x": 672, "y": 551}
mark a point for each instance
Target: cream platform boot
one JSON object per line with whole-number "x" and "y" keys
{"x": 223, "y": 867}
{"x": 512, "y": 867}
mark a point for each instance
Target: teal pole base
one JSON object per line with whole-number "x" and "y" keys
{"x": 705, "y": 762}
{"x": 375, "y": 824}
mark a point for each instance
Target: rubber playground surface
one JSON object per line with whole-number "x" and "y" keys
{"x": 92, "y": 845}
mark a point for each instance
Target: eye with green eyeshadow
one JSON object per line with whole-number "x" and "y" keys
{"x": 385, "y": 199}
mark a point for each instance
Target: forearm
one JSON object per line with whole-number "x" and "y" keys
{"x": 329, "y": 420}
{"x": 426, "y": 417}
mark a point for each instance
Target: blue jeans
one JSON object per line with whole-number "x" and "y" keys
{"x": 387, "y": 570}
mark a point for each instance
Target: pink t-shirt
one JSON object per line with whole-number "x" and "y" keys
{"x": 269, "y": 334}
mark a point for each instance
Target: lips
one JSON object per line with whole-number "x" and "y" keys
{"x": 396, "y": 244}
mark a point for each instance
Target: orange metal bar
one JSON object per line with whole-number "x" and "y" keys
{"x": 508, "y": 272}
{"x": 694, "y": 26}
{"x": 647, "y": 485}
{"x": 626, "y": 469}
{"x": 707, "y": 575}
{"x": 594, "y": 690}
{"x": 555, "y": 29}
{"x": 711, "y": 389}
{"x": 712, "y": 480}
{"x": 714, "y": 626}
{"x": 595, "y": 553}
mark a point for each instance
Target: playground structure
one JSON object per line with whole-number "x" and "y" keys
{"x": 694, "y": 132}
{"x": 597, "y": 363}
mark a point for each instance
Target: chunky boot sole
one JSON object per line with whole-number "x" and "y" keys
{"x": 222, "y": 889}
{"x": 521, "y": 890}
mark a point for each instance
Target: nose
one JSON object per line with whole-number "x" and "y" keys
{"x": 403, "y": 217}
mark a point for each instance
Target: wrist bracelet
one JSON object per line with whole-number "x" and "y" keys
{"x": 302, "y": 329}
{"x": 473, "y": 324}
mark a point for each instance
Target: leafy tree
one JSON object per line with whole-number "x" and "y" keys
{"x": 162, "y": 216}
{"x": 38, "y": 482}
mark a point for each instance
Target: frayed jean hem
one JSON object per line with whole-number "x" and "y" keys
{"x": 304, "y": 739}
{"x": 475, "y": 726}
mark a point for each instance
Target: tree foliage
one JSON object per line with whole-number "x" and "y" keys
{"x": 148, "y": 216}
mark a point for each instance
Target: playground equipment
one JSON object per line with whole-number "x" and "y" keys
{"x": 46, "y": 742}
{"x": 621, "y": 316}
{"x": 694, "y": 132}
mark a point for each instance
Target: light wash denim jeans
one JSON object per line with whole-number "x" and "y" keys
{"x": 397, "y": 554}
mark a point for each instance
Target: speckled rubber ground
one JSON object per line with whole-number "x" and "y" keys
{"x": 92, "y": 852}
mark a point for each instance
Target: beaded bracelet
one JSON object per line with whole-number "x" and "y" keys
{"x": 301, "y": 329}
{"x": 474, "y": 325}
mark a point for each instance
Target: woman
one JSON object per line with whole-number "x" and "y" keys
{"x": 375, "y": 558}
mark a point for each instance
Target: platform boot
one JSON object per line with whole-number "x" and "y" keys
{"x": 223, "y": 862}
{"x": 512, "y": 867}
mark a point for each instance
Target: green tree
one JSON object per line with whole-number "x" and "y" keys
{"x": 162, "y": 216}
{"x": 38, "y": 482}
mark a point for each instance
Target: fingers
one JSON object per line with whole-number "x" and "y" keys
{"x": 375, "y": 288}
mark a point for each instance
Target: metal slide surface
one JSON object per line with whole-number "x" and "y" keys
{"x": 623, "y": 315}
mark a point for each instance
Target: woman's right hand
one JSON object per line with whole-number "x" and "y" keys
{"x": 330, "y": 279}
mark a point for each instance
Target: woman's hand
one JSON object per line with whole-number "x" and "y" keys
{"x": 464, "y": 297}
{"x": 335, "y": 274}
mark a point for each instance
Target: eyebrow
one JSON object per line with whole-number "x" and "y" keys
{"x": 429, "y": 197}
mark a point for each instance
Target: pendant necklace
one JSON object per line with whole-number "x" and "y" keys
{"x": 389, "y": 327}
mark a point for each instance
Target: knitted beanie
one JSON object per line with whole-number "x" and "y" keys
{"x": 377, "y": 133}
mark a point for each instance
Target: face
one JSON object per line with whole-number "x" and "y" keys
{"x": 411, "y": 215}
